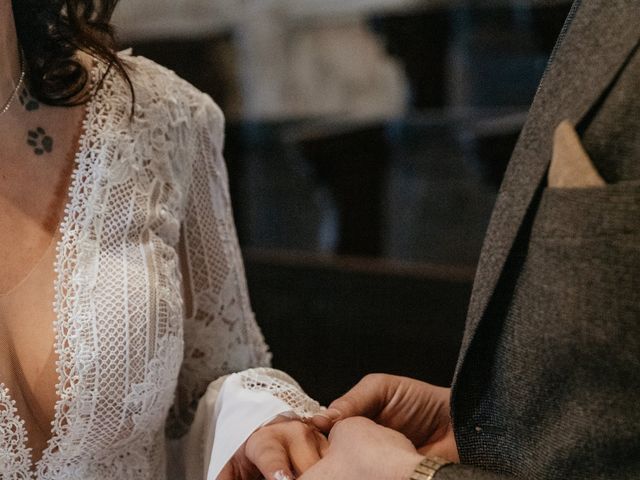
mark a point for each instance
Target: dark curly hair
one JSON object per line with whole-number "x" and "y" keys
{"x": 51, "y": 32}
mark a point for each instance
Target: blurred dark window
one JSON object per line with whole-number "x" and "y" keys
{"x": 362, "y": 232}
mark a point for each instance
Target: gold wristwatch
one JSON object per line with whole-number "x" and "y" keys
{"x": 428, "y": 467}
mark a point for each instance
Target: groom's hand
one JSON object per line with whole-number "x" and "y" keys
{"x": 418, "y": 410}
{"x": 359, "y": 448}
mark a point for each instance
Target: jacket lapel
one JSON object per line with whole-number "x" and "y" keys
{"x": 601, "y": 36}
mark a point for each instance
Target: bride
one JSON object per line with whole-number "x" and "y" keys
{"x": 122, "y": 294}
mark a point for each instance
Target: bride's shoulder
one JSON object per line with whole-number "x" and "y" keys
{"x": 161, "y": 92}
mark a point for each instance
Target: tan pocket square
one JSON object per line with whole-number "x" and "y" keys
{"x": 571, "y": 166}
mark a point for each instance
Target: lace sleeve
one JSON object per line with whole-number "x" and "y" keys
{"x": 220, "y": 332}
{"x": 281, "y": 386}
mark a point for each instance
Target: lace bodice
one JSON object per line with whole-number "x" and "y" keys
{"x": 148, "y": 200}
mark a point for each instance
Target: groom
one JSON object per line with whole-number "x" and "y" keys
{"x": 548, "y": 379}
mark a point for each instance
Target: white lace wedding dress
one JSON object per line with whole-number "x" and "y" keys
{"x": 148, "y": 199}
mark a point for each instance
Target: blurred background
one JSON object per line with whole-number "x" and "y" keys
{"x": 366, "y": 142}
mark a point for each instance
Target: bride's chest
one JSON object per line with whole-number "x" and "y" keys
{"x": 118, "y": 293}
{"x": 116, "y": 315}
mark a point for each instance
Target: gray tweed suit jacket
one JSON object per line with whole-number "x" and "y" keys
{"x": 548, "y": 381}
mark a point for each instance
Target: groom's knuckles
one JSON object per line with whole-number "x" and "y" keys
{"x": 367, "y": 398}
{"x": 348, "y": 430}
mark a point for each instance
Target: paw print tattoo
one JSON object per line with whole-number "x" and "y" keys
{"x": 40, "y": 141}
{"x": 28, "y": 101}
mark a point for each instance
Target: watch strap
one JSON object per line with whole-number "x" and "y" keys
{"x": 428, "y": 467}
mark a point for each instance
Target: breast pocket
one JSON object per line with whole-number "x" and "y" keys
{"x": 583, "y": 263}
{"x": 581, "y": 214}
{"x": 572, "y": 330}
{"x": 578, "y": 204}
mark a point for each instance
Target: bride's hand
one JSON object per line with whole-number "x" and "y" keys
{"x": 281, "y": 450}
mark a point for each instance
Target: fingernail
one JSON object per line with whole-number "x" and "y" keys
{"x": 332, "y": 414}
{"x": 280, "y": 475}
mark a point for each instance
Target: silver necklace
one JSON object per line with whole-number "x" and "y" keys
{"x": 17, "y": 88}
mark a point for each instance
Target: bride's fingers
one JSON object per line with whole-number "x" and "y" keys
{"x": 227, "y": 472}
{"x": 269, "y": 455}
{"x": 322, "y": 443}
{"x": 304, "y": 450}
{"x": 281, "y": 450}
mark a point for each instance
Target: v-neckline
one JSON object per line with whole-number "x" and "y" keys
{"x": 64, "y": 243}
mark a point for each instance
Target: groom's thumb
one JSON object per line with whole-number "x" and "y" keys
{"x": 367, "y": 399}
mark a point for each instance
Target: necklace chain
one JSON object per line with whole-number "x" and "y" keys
{"x": 17, "y": 88}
